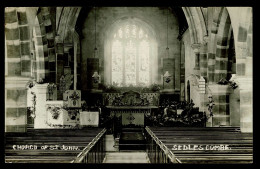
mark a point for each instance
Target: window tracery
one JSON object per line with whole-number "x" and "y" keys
{"x": 130, "y": 56}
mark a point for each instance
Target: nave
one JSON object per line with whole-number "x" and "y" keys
{"x": 97, "y": 84}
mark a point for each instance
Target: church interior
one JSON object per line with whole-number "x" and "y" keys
{"x": 128, "y": 85}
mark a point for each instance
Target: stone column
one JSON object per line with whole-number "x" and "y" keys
{"x": 40, "y": 109}
{"x": 182, "y": 73}
{"x": 204, "y": 61}
{"x": 244, "y": 81}
{"x": 59, "y": 64}
{"x": 196, "y": 49}
{"x": 16, "y": 104}
{"x": 13, "y": 43}
{"x": 75, "y": 65}
{"x": 221, "y": 115}
{"x": 246, "y": 101}
{"x": 24, "y": 42}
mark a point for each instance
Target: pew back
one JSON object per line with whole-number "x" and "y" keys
{"x": 207, "y": 145}
{"x": 47, "y": 145}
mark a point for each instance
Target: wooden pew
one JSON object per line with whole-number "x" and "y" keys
{"x": 239, "y": 146}
{"x": 45, "y": 137}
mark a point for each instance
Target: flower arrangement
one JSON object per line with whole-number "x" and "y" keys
{"x": 167, "y": 116}
{"x": 55, "y": 110}
{"x": 30, "y": 84}
{"x": 232, "y": 84}
{"x": 73, "y": 114}
{"x": 155, "y": 87}
{"x": 140, "y": 88}
{"x": 51, "y": 88}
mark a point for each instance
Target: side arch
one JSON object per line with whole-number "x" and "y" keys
{"x": 196, "y": 24}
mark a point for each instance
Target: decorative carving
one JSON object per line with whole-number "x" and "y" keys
{"x": 73, "y": 97}
{"x": 73, "y": 114}
{"x": 65, "y": 82}
{"x": 55, "y": 110}
{"x": 196, "y": 47}
{"x": 210, "y": 105}
{"x": 231, "y": 83}
{"x": 32, "y": 108}
{"x": 131, "y": 98}
{"x": 205, "y": 40}
{"x": 62, "y": 84}
{"x": 51, "y": 88}
{"x": 131, "y": 118}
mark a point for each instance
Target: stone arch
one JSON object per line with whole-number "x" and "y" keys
{"x": 196, "y": 24}
{"x": 222, "y": 46}
{"x": 40, "y": 46}
{"x": 212, "y": 45}
{"x": 241, "y": 20}
{"x": 66, "y": 21}
{"x": 43, "y": 46}
{"x": 225, "y": 21}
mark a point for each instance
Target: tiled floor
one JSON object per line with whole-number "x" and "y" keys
{"x": 126, "y": 157}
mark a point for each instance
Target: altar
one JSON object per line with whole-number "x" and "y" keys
{"x": 130, "y": 108}
{"x": 131, "y": 115}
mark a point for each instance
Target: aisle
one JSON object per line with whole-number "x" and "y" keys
{"x": 126, "y": 157}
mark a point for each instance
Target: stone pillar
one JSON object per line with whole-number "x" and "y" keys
{"x": 246, "y": 100}
{"x": 196, "y": 49}
{"x": 16, "y": 104}
{"x": 182, "y": 73}
{"x": 221, "y": 114}
{"x": 244, "y": 81}
{"x": 204, "y": 61}
{"x": 40, "y": 109}
{"x": 75, "y": 65}
{"x": 24, "y": 42}
{"x": 59, "y": 64}
{"x": 13, "y": 44}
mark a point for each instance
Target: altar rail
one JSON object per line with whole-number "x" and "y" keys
{"x": 157, "y": 151}
{"x": 94, "y": 152}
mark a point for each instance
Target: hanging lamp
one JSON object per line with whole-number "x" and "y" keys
{"x": 167, "y": 48}
{"x": 95, "y": 76}
{"x": 166, "y": 75}
{"x": 95, "y": 49}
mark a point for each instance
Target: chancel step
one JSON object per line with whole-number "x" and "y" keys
{"x": 126, "y": 157}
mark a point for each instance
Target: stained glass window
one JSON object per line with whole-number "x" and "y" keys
{"x": 130, "y": 56}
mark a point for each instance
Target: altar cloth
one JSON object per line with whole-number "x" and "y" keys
{"x": 89, "y": 118}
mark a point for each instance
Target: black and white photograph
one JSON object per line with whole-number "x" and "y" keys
{"x": 128, "y": 84}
